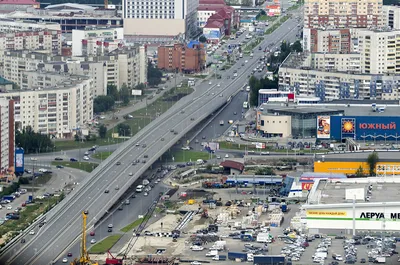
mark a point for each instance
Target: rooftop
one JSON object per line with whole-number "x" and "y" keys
{"x": 19, "y": 2}
{"x": 272, "y": 108}
{"x": 361, "y": 156}
{"x": 344, "y": 191}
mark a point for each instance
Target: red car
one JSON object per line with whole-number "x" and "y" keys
{"x": 92, "y": 233}
{"x": 69, "y": 254}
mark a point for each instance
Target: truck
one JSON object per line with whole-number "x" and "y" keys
{"x": 380, "y": 259}
{"x": 9, "y": 197}
{"x": 221, "y": 122}
{"x": 237, "y": 255}
{"x": 241, "y": 55}
{"x": 284, "y": 208}
{"x": 269, "y": 259}
{"x": 212, "y": 253}
{"x": 251, "y": 55}
{"x": 219, "y": 257}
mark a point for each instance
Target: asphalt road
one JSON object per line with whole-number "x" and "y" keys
{"x": 64, "y": 221}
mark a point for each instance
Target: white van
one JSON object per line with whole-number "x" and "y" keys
{"x": 139, "y": 188}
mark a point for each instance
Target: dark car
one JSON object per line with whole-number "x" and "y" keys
{"x": 363, "y": 261}
{"x": 145, "y": 156}
{"x": 73, "y": 159}
{"x": 23, "y": 240}
{"x": 109, "y": 230}
{"x": 118, "y": 163}
{"x": 58, "y": 159}
{"x": 69, "y": 254}
{"x": 59, "y": 166}
{"x": 120, "y": 208}
{"x": 106, "y": 191}
{"x": 86, "y": 212}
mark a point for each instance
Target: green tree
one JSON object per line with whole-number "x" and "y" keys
{"x": 123, "y": 129}
{"x": 360, "y": 172}
{"x": 33, "y": 142}
{"x": 264, "y": 171}
{"x": 124, "y": 94}
{"x": 103, "y": 103}
{"x": 153, "y": 75}
{"x": 102, "y": 131}
{"x": 372, "y": 161}
{"x": 257, "y": 84}
{"x": 203, "y": 39}
{"x": 296, "y": 47}
{"x": 112, "y": 91}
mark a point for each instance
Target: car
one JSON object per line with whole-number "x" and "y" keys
{"x": 65, "y": 260}
{"x": 73, "y": 159}
{"x": 58, "y": 159}
{"x": 116, "y": 187}
{"x": 86, "y": 158}
{"x": 235, "y": 74}
{"x": 226, "y": 156}
{"x": 106, "y": 191}
{"x": 86, "y": 153}
{"x": 118, "y": 163}
{"x": 31, "y": 232}
{"x": 145, "y": 156}
{"x": 133, "y": 196}
{"x": 137, "y": 144}
{"x": 145, "y": 194}
{"x": 120, "y": 208}
{"x": 131, "y": 174}
{"x": 203, "y": 137}
{"x": 144, "y": 145}
{"x": 192, "y": 119}
{"x": 69, "y": 254}
{"x": 210, "y": 83}
{"x": 93, "y": 241}
{"x": 144, "y": 161}
{"x": 110, "y": 226}
{"x": 162, "y": 139}
{"x": 218, "y": 85}
{"x": 109, "y": 230}
{"x": 92, "y": 233}
{"x": 195, "y": 263}
{"x": 59, "y": 166}
{"x": 363, "y": 261}
{"x": 134, "y": 163}
{"x": 86, "y": 211}
{"x": 33, "y": 159}
{"x": 9, "y": 207}
{"x": 23, "y": 241}
{"x": 234, "y": 113}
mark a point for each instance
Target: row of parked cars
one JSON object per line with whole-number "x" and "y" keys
{"x": 294, "y": 248}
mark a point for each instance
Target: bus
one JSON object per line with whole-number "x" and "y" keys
{"x": 245, "y": 105}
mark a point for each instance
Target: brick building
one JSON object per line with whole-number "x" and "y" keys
{"x": 178, "y": 56}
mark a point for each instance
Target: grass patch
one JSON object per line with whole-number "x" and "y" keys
{"x": 144, "y": 116}
{"x": 102, "y": 155}
{"x": 105, "y": 244}
{"x": 134, "y": 224}
{"x": 85, "y": 166}
{"x": 43, "y": 179}
{"x": 294, "y": 7}
{"x": 72, "y": 144}
{"x": 30, "y": 212}
{"x": 251, "y": 45}
{"x": 277, "y": 24}
{"x": 265, "y": 18}
{"x": 185, "y": 156}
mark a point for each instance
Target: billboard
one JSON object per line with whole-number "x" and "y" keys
{"x": 367, "y": 128}
{"x": 19, "y": 161}
{"x": 306, "y": 185}
{"x": 136, "y": 92}
{"x": 323, "y": 127}
{"x": 212, "y": 34}
{"x": 258, "y": 125}
{"x": 260, "y": 145}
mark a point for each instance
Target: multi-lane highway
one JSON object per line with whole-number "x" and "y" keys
{"x": 64, "y": 221}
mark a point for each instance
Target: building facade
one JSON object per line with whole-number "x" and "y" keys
{"x": 93, "y": 40}
{"x": 391, "y": 16}
{"x": 181, "y": 57}
{"x": 13, "y": 25}
{"x": 327, "y": 41}
{"x": 162, "y": 18}
{"x": 53, "y": 103}
{"x": 342, "y": 14}
{"x": 7, "y": 134}
{"x": 216, "y": 10}
{"x": 12, "y": 5}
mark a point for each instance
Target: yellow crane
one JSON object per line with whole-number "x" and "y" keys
{"x": 84, "y": 259}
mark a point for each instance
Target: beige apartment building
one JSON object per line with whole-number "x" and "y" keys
{"x": 297, "y": 73}
{"x": 53, "y": 103}
{"x": 342, "y": 13}
{"x": 328, "y": 40}
{"x": 13, "y": 25}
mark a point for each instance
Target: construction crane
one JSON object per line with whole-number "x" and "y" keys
{"x": 84, "y": 259}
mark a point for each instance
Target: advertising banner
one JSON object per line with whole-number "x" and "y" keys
{"x": 323, "y": 213}
{"x": 258, "y": 120}
{"x": 260, "y": 145}
{"x": 19, "y": 161}
{"x": 306, "y": 185}
{"x": 136, "y": 92}
{"x": 323, "y": 127}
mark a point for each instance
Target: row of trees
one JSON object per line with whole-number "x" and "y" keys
{"x": 372, "y": 161}
{"x": 33, "y": 142}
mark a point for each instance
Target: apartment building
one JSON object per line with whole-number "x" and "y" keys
{"x": 45, "y": 41}
{"x": 17, "y": 62}
{"x": 94, "y": 40}
{"x": 127, "y": 65}
{"x": 184, "y": 58}
{"x": 350, "y": 63}
{"x": 296, "y": 74}
{"x": 7, "y": 134}
{"x": 379, "y": 51}
{"x": 327, "y": 40}
{"x": 391, "y": 16}
{"x": 53, "y": 103}
{"x": 95, "y": 70}
{"x": 160, "y": 18}
{"x": 13, "y": 25}
{"x": 342, "y": 13}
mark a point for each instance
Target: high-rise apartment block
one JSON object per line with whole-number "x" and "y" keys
{"x": 7, "y": 134}
{"x": 160, "y": 17}
{"x": 391, "y": 16}
{"x": 342, "y": 13}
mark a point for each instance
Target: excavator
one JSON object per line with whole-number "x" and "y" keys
{"x": 84, "y": 259}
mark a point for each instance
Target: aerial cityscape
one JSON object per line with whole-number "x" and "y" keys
{"x": 199, "y": 132}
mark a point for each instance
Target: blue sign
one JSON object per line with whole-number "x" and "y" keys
{"x": 19, "y": 161}
{"x": 365, "y": 127}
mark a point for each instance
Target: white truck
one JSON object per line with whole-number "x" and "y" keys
{"x": 212, "y": 253}
{"x": 380, "y": 259}
{"x": 251, "y": 55}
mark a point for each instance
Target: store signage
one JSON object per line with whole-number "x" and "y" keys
{"x": 372, "y": 215}
{"x": 306, "y": 185}
{"x": 326, "y": 213}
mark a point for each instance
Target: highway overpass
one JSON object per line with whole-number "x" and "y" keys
{"x": 64, "y": 221}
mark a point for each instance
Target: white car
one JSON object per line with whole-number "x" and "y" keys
{"x": 235, "y": 74}
{"x": 9, "y": 207}
{"x": 145, "y": 194}
{"x": 65, "y": 260}
{"x": 246, "y": 61}
{"x": 93, "y": 241}
{"x": 110, "y": 226}
{"x": 131, "y": 174}
{"x": 86, "y": 158}
{"x": 226, "y": 156}
{"x": 218, "y": 85}
{"x": 210, "y": 83}
{"x": 31, "y": 232}
{"x": 195, "y": 263}
{"x": 33, "y": 159}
